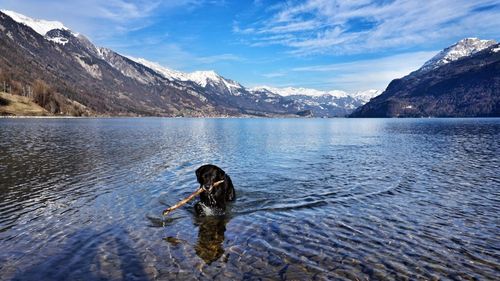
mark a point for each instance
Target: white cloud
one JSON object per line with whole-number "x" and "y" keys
{"x": 119, "y": 10}
{"x": 326, "y": 26}
{"x": 218, "y": 58}
{"x": 274, "y": 74}
{"x": 176, "y": 56}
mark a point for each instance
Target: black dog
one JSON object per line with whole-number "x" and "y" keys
{"x": 213, "y": 198}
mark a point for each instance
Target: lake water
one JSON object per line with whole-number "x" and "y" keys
{"x": 317, "y": 199}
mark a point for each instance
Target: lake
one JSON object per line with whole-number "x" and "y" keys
{"x": 317, "y": 199}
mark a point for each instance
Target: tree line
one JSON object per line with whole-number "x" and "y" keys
{"x": 40, "y": 93}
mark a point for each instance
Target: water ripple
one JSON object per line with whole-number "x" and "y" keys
{"x": 338, "y": 199}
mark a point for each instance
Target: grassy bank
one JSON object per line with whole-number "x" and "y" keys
{"x": 13, "y": 105}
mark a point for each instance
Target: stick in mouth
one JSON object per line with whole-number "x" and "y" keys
{"x": 189, "y": 198}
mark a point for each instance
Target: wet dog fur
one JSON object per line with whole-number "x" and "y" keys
{"x": 215, "y": 198}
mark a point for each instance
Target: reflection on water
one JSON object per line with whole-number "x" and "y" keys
{"x": 209, "y": 245}
{"x": 378, "y": 199}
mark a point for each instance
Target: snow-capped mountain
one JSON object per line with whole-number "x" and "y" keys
{"x": 462, "y": 48}
{"x": 463, "y": 80}
{"x": 320, "y": 103}
{"x": 363, "y": 96}
{"x": 201, "y": 78}
{"x": 291, "y": 91}
{"x": 165, "y": 72}
{"x": 53, "y": 31}
{"x": 366, "y": 96}
{"x": 40, "y": 26}
{"x": 109, "y": 83}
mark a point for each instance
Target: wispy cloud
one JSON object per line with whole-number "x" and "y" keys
{"x": 274, "y": 74}
{"x": 218, "y": 58}
{"x": 124, "y": 10}
{"x": 178, "y": 58}
{"x": 120, "y": 10}
{"x": 326, "y": 26}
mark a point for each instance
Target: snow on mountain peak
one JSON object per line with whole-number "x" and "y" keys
{"x": 367, "y": 95}
{"x": 462, "y": 48}
{"x": 364, "y": 96}
{"x": 203, "y": 77}
{"x": 165, "y": 72}
{"x": 290, "y": 91}
{"x": 40, "y": 26}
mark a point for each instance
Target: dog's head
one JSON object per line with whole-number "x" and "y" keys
{"x": 208, "y": 175}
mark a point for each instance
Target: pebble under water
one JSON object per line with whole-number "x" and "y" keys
{"x": 317, "y": 199}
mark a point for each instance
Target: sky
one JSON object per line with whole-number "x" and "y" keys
{"x": 320, "y": 44}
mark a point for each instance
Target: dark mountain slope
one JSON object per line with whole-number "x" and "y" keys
{"x": 77, "y": 71}
{"x": 467, "y": 87}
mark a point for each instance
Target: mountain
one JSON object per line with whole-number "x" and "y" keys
{"x": 290, "y": 91}
{"x": 67, "y": 74}
{"x": 270, "y": 99}
{"x": 72, "y": 69}
{"x": 463, "y": 48}
{"x": 366, "y": 96}
{"x": 39, "y": 26}
{"x": 320, "y": 103}
{"x": 463, "y": 80}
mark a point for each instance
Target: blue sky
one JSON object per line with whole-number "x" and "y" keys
{"x": 322, "y": 44}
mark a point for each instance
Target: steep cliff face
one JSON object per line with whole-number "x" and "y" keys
{"x": 466, "y": 85}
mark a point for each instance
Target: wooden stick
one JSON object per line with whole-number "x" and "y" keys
{"x": 189, "y": 198}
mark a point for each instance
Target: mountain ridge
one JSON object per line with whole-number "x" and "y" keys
{"x": 463, "y": 48}
{"x": 38, "y": 25}
{"x": 106, "y": 82}
{"x": 465, "y": 86}
{"x": 113, "y": 84}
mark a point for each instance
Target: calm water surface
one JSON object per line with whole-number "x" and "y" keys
{"x": 80, "y": 199}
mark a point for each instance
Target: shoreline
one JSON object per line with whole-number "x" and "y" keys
{"x": 232, "y": 117}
